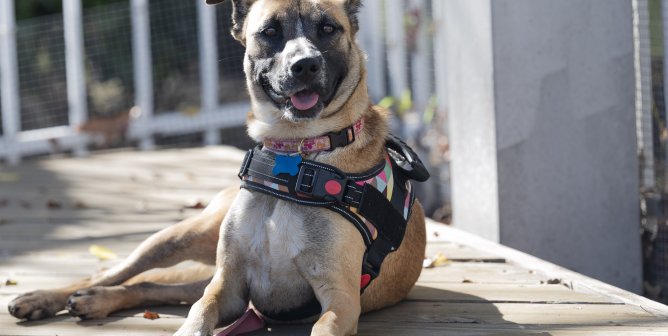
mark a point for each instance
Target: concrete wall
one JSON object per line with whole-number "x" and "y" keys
{"x": 561, "y": 120}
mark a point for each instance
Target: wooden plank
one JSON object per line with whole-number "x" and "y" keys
{"x": 462, "y": 329}
{"x": 435, "y": 292}
{"x": 515, "y": 313}
{"x": 456, "y": 321}
{"x": 577, "y": 281}
{"x": 481, "y": 273}
{"x": 460, "y": 253}
{"x": 504, "y": 293}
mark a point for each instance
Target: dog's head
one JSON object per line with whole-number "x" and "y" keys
{"x": 302, "y": 62}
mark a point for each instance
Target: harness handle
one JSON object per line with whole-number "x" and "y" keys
{"x": 412, "y": 166}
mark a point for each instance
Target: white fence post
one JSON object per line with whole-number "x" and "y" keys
{"x": 396, "y": 46}
{"x": 143, "y": 71}
{"x": 420, "y": 62}
{"x": 370, "y": 37}
{"x": 643, "y": 68}
{"x": 76, "y": 68}
{"x": 438, "y": 8}
{"x": 208, "y": 57}
{"x": 9, "y": 82}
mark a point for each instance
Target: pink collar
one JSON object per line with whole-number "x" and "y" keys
{"x": 326, "y": 142}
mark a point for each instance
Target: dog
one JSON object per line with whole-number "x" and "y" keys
{"x": 306, "y": 77}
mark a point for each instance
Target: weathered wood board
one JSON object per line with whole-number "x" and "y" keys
{"x": 52, "y": 210}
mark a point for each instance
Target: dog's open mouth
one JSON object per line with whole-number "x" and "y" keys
{"x": 306, "y": 103}
{"x": 305, "y": 99}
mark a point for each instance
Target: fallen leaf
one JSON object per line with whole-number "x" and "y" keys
{"x": 196, "y": 205}
{"x": 51, "y": 204}
{"x": 10, "y": 282}
{"x": 9, "y": 177}
{"x": 102, "y": 252}
{"x": 80, "y": 205}
{"x": 151, "y": 315}
{"x": 437, "y": 260}
{"x": 467, "y": 281}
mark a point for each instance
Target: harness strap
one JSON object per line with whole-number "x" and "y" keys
{"x": 307, "y": 188}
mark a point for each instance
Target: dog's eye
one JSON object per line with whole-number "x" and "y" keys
{"x": 328, "y": 29}
{"x": 270, "y": 32}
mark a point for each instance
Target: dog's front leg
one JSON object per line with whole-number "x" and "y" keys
{"x": 224, "y": 300}
{"x": 341, "y": 309}
{"x": 337, "y": 287}
{"x": 226, "y": 297}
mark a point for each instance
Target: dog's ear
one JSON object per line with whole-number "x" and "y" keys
{"x": 352, "y": 9}
{"x": 239, "y": 12}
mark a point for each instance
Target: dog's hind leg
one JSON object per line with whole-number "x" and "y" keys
{"x": 151, "y": 288}
{"x": 192, "y": 239}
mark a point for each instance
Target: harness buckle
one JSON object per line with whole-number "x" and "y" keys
{"x": 320, "y": 183}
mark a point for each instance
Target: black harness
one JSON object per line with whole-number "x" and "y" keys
{"x": 378, "y": 202}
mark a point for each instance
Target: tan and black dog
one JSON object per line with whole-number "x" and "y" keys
{"x": 306, "y": 77}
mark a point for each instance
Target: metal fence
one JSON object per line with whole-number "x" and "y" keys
{"x": 651, "y": 35}
{"x": 146, "y": 73}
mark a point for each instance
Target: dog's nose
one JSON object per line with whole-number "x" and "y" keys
{"x": 306, "y": 69}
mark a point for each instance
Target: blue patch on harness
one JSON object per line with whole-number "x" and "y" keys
{"x": 287, "y": 164}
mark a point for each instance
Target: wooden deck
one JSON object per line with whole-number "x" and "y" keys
{"x": 52, "y": 210}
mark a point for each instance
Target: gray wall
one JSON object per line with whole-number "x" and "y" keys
{"x": 557, "y": 130}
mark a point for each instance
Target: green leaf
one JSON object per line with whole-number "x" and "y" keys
{"x": 387, "y": 102}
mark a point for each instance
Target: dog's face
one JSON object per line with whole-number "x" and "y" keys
{"x": 300, "y": 55}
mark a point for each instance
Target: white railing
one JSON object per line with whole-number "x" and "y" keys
{"x": 383, "y": 35}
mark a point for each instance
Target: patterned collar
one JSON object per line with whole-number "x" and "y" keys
{"x": 326, "y": 142}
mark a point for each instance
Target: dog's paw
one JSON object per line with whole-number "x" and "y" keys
{"x": 95, "y": 303}
{"x": 189, "y": 330}
{"x": 37, "y": 305}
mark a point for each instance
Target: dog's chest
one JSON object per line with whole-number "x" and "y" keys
{"x": 271, "y": 234}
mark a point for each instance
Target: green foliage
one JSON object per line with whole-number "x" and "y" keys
{"x": 656, "y": 28}
{"x": 401, "y": 104}
{"x": 404, "y": 104}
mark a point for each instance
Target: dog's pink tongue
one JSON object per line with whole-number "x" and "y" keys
{"x": 304, "y": 100}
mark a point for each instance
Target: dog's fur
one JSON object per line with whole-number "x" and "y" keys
{"x": 276, "y": 254}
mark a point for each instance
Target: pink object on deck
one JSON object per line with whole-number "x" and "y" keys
{"x": 249, "y": 322}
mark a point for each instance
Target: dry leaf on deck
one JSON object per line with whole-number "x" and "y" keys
{"x": 10, "y": 282}
{"x": 196, "y": 205}
{"x": 51, "y": 204}
{"x": 9, "y": 177}
{"x": 437, "y": 260}
{"x": 151, "y": 315}
{"x": 102, "y": 252}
